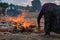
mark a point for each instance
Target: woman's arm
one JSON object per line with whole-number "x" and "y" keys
{"x": 39, "y": 18}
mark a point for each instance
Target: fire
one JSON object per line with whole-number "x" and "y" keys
{"x": 8, "y": 19}
{"x": 26, "y": 25}
{"x": 19, "y": 20}
{"x": 0, "y": 19}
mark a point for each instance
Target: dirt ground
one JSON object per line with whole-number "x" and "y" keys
{"x": 28, "y": 36}
{"x": 32, "y": 18}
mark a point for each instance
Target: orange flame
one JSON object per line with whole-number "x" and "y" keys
{"x": 0, "y": 19}
{"x": 19, "y": 20}
{"x": 8, "y": 19}
{"x": 26, "y": 24}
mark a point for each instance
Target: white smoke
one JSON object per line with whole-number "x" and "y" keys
{"x": 28, "y": 2}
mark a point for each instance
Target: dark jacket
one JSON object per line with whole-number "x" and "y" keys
{"x": 48, "y": 10}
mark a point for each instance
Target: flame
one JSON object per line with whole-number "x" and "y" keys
{"x": 19, "y": 20}
{"x": 26, "y": 25}
{"x": 0, "y": 19}
{"x": 8, "y": 19}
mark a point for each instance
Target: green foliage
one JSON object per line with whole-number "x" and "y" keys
{"x": 1, "y": 8}
{"x": 4, "y": 5}
{"x": 36, "y": 4}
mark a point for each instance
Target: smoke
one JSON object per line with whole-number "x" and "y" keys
{"x": 23, "y": 2}
{"x": 58, "y": 0}
{"x": 47, "y": 1}
{"x": 26, "y": 2}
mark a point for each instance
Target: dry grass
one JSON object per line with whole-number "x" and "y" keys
{"x": 32, "y": 18}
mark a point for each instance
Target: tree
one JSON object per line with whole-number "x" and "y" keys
{"x": 27, "y": 7}
{"x": 3, "y": 6}
{"x": 36, "y": 5}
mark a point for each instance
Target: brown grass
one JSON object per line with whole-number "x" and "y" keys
{"x": 32, "y": 18}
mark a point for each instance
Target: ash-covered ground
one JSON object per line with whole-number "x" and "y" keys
{"x": 28, "y": 36}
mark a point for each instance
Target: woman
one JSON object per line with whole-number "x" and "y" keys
{"x": 48, "y": 11}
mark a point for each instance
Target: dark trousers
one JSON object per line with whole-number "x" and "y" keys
{"x": 47, "y": 25}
